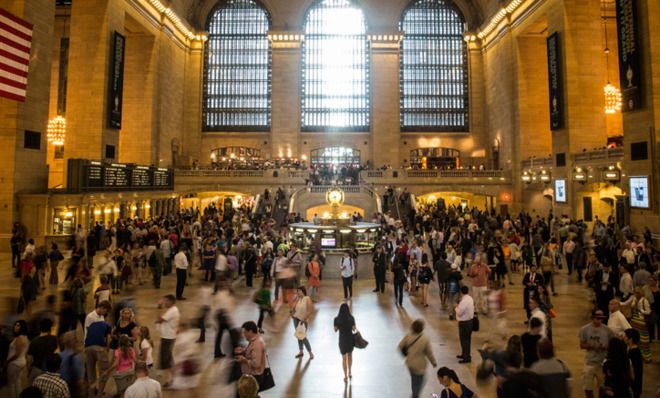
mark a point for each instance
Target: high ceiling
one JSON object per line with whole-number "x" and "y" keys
{"x": 196, "y": 11}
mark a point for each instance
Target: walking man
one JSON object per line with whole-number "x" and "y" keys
{"x": 347, "y": 267}
{"x": 380, "y": 266}
{"x": 465, "y": 315}
{"x": 479, "y": 273}
{"x": 181, "y": 264}
{"x": 168, "y": 323}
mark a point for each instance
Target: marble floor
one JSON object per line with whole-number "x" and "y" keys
{"x": 378, "y": 371}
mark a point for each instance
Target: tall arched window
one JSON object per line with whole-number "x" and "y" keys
{"x": 434, "y": 70}
{"x": 335, "y": 68}
{"x": 237, "y": 68}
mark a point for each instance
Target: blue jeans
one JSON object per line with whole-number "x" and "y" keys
{"x": 416, "y": 382}
{"x": 304, "y": 342}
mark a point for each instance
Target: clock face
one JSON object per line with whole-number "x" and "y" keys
{"x": 334, "y": 197}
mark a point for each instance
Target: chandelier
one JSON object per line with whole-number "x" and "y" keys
{"x": 612, "y": 94}
{"x": 612, "y": 99}
{"x": 57, "y": 130}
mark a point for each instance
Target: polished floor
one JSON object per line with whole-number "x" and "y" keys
{"x": 378, "y": 371}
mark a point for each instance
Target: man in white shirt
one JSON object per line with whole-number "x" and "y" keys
{"x": 625, "y": 283}
{"x": 537, "y": 312}
{"x": 181, "y": 265}
{"x": 144, "y": 386}
{"x": 166, "y": 247}
{"x": 347, "y": 267}
{"x": 168, "y": 323}
{"x": 617, "y": 322}
{"x": 465, "y": 316}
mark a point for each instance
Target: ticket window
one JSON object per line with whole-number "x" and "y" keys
{"x": 64, "y": 222}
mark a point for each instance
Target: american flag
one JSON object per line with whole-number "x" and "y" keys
{"x": 15, "y": 43}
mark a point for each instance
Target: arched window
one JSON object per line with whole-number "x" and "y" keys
{"x": 335, "y": 68}
{"x": 434, "y": 70}
{"x": 237, "y": 68}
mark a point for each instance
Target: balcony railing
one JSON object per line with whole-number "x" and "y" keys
{"x": 537, "y": 162}
{"x": 599, "y": 155}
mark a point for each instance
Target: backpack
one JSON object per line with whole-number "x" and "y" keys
{"x": 307, "y": 271}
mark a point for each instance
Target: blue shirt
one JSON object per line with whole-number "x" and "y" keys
{"x": 97, "y": 333}
{"x": 72, "y": 367}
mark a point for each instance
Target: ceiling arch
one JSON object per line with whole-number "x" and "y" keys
{"x": 289, "y": 14}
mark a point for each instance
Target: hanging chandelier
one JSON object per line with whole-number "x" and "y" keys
{"x": 612, "y": 99}
{"x": 56, "y": 130}
{"x": 612, "y": 94}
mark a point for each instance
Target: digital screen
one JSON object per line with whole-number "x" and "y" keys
{"x": 560, "y": 191}
{"x": 328, "y": 242}
{"x": 639, "y": 192}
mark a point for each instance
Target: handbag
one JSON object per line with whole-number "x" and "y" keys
{"x": 552, "y": 312}
{"x": 301, "y": 331}
{"x": 359, "y": 341}
{"x": 266, "y": 380}
{"x": 475, "y": 323}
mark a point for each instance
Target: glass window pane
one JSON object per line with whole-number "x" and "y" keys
{"x": 335, "y": 71}
{"x": 237, "y": 72}
{"x": 434, "y": 73}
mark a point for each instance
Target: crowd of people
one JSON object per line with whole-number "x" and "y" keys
{"x": 471, "y": 254}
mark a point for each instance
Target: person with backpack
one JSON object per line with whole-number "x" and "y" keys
{"x": 399, "y": 277}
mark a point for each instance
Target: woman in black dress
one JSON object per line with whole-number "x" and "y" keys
{"x": 345, "y": 324}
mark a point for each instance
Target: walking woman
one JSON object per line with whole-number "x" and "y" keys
{"x": 640, "y": 310}
{"x": 55, "y": 256}
{"x": 301, "y": 313}
{"x": 16, "y": 360}
{"x": 313, "y": 280}
{"x": 345, "y": 325}
{"x": 425, "y": 277}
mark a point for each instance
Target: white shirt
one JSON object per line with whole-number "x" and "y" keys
{"x": 144, "y": 387}
{"x": 347, "y": 267}
{"x": 618, "y": 323}
{"x": 181, "y": 261}
{"x": 626, "y": 284}
{"x": 465, "y": 308}
{"x": 145, "y": 345}
{"x": 166, "y": 247}
{"x": 91, "y": 318}
{"x": 221, "y": 263}
{"x": 170, "y": 323}
{"x": 538, "y": 313}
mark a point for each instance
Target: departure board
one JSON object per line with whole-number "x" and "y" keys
{"x": 94, "y": 176}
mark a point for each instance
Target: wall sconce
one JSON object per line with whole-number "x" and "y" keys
{"x": 580, "y": 175}
{"x": 526, "y": 177}
{"x": 545, "y": 176}
{"x": 107, "y": 211}
{"x": 611, "y": 174}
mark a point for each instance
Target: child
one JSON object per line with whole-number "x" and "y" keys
{"x": 263, "y": 300}
{"x": 123, "y": 362}
{"x": 103, "y": 292}
{"x": 146, "y": 347}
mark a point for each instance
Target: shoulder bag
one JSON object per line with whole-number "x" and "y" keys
{"x": 405, "y": 348}
{"x": 266, "y": 380}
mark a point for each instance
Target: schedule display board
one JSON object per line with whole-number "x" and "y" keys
{"x": 94, "y": 176}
